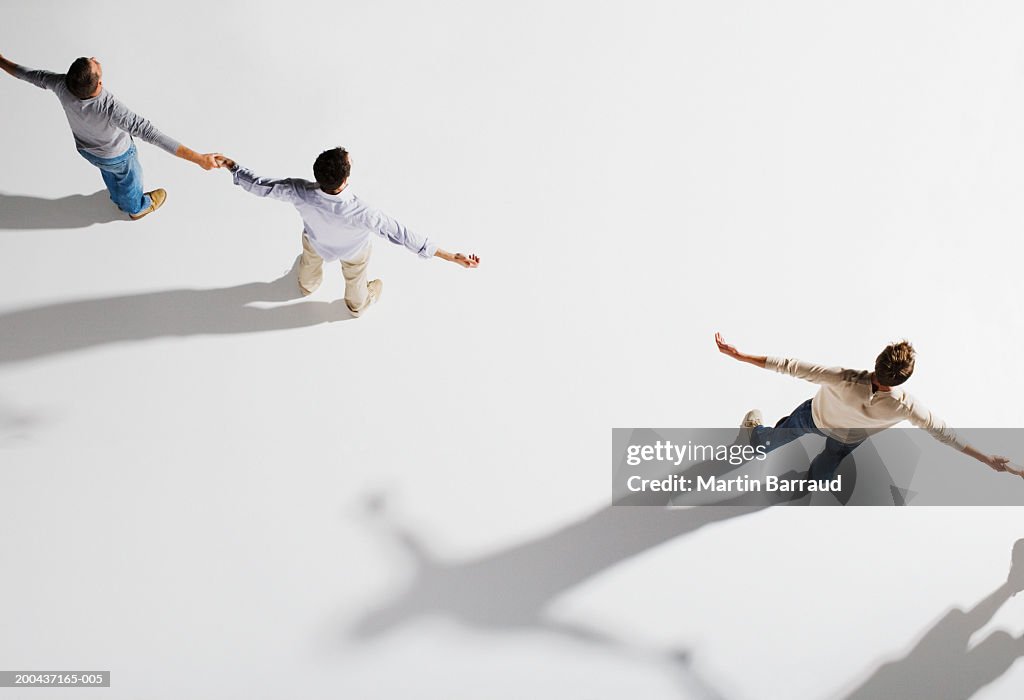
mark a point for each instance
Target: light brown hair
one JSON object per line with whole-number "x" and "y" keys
{"x": 895, "y": 364}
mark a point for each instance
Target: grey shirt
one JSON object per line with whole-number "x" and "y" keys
{"x": 102, "y": 125}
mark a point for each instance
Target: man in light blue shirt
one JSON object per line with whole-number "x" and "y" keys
{"x": 339, "y": 226}
{"x": 103, "y": 128}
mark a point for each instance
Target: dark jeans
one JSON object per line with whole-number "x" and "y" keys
{"x": 800, "y": 422}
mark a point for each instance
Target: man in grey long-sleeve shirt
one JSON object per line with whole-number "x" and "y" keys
{"x": 337, "y": 225}
{"x": 850, "y": 406}
{"x": 103, "y": 128}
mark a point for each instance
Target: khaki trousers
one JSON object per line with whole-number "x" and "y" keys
{"x": 311, "y": 274}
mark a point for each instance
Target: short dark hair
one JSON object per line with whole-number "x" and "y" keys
{"x": 81, "y": 78}
{"x": 895, "y": 364}
{"x": 331, "y": 169}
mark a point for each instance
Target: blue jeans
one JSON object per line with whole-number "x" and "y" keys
{"x": 123, "y": 177}
{"x": 798, "y": 423}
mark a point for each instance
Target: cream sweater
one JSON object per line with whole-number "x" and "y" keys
{"x": 846, "y": 409}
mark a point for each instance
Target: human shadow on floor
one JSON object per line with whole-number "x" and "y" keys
{"x": 74, "y": 211}
{"x": 511, "y": 590}
{"x": 943, "y": 665}
{"x": 42, "y": 331}
{"x": 512, "y": 587}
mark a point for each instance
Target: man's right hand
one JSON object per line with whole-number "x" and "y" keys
{"x": 225, "y": 162}
{"x": 1002, "y": 464}
{"x": 730, "y": 350}
{"x": 208, "y": 161}
{"x": 726, "y": 349}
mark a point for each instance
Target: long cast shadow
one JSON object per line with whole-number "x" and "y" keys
{"x": 942, "y": 665}
{"x": 43, "y": 331}
{"x": 74, "y": 211}
{"x": 512, "y": 589}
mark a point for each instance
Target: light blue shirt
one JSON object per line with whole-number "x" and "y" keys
{"x": 339, "y": 226}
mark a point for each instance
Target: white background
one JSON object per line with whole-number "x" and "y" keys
{"x": 206, "y": 500}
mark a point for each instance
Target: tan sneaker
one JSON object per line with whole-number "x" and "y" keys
{"x": 376, "y": 288}
{"x": 307, "y": 292}
{"x": 752, "y": 420}
{"x": 158, "y": 197}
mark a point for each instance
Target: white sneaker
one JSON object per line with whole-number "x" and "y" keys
{"x": 753, "y": 419}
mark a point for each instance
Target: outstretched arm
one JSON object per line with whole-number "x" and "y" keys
{"x": 144, "y": 129}
{"x": 40, "y": 78}
{"x": 921, "y": 417}
{"x": 808, "y": 371}
{"x": 249, "y": 181}
{"x": 400, "y": 235}
{"x": 730, "y": 350}
{"x": 1000, "y": 464}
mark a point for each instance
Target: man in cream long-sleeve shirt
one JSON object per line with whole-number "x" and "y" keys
{"x": 337, "y": 225}
{"x": 103, "y": 128}
{"x": 850, "y": 406}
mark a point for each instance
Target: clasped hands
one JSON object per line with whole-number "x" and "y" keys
{"x": 212, "y": 161}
